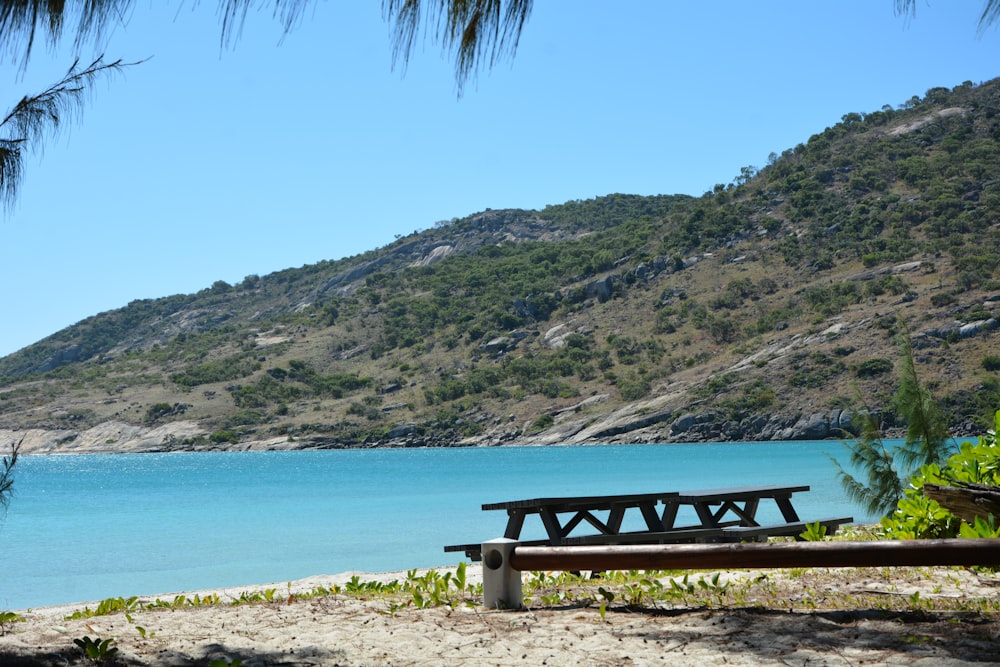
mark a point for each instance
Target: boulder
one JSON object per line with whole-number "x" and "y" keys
{"x": 683, "y": 423}
{"x": 601, "y": 289}
{"x": 815, "y": 426}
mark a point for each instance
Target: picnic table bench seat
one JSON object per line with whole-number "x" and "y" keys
{"x": 474, "y": 552}
{"x": 790, "y": 529}
{"x": 676, "y": 536}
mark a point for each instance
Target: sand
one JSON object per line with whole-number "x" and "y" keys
{"x": 904, "y": 616}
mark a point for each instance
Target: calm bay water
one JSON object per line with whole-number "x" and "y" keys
{"x": 88, "y": 527}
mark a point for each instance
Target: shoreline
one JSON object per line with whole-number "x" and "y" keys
{"x": 232, "y": 593}
{"x": 123, "y": 438}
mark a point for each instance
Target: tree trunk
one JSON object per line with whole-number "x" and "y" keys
{"x": 966, "y": 501}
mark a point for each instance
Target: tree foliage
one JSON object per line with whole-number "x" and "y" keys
{"x": 918, "y": 517}
{"x": 882, "y": 485}
{"x": 886, "y": 471}
{"x": 926, "y": 429}
{"x": 991, "y": 11}
{"x": 476, "y": 33}
{"x": 36, "y": 116}
{"x": 7, "y": 464}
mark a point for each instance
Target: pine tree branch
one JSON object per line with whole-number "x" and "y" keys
{"x": 475, "y": 32}
{"x": 37, "y": 116}
{"x": 7, "y": 464}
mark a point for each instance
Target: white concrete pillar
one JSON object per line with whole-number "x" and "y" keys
{"x": 501, "y": 582}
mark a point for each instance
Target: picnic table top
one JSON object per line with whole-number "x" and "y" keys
{"x": 571, "y": 503}
{"x": 739, "y": 493}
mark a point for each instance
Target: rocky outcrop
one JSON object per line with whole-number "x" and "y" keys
{"x": 957, "y": 329}
{"x": 435, "y": 255}
{"x": 67, "y": 355}
{"x": 112, "y": 437}
{"x": 709, "y": 426}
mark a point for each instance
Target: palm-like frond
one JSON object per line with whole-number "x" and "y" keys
{"x": 883, "y": 486}
{"x": 477, "y": 32}
{"x": 991, "y": 11}
{"x": 21, "y": 21}
{"x": 36, "y": 116}
{"x": 234, "y": 12}
{"x": 926, "y": 428}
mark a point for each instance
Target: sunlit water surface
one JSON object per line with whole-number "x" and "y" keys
{"x": 88, "y": 527}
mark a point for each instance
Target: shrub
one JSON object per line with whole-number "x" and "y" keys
{"x": 158, "y": 410}
{"x": 873, "y": 367}
{"x": 942, "y": 299}
{"x": 918, "y": 517}
{"x": 991, "y": 362}
{"x": 542, "y": 423}
{"x": 221, "y": 436}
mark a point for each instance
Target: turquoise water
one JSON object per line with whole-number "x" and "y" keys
{"x": 88, "y": 527}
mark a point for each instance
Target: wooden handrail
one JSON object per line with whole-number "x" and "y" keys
{"x": 758, "y": 555}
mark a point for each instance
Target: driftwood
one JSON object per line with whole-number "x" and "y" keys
{"x": 966, "y": 501}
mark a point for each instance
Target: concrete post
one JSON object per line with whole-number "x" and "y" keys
{"x": 501, "y": 582}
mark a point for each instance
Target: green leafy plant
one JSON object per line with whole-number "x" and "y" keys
{"x": 814, "y": 532}
{"x": 605, "y": 598}
{"x": 107, "y": 606}
{"x": 98, "y": 651}
{"x": 917, "y": 516}
{"x": 7, "y": 618}
{"x": 980, "y": 528}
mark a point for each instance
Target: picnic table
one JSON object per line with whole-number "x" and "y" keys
{"x": 713, "y": 506}
{"x": 727, "y": 514}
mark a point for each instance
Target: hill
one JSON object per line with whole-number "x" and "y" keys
{"x": 768, "y": 308}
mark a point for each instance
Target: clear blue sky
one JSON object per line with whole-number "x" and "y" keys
{"x": 207, "y": 164}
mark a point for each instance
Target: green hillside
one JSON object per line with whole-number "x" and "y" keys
{"x": 766, "y": 308}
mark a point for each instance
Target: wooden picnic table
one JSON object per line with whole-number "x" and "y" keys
{"x": 718, "y": 508}
{"x": 581, "y": 508}
{"x": 723, "y": 514}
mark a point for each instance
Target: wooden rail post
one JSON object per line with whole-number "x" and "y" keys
{"x": 504, "y": 567}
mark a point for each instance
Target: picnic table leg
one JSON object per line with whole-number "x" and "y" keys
{"x": 615, "y": 518}
{"x": 552, "y": 526}
{"x": 705, "y": 515}
{"x": 515, "y": 521}
{"x": 669, "y": 514}
{"x": 501, "y": 582}
{"x": 787, "y": 511}
{"x": 653, "y": 522}
{"x": 750, "y": 512}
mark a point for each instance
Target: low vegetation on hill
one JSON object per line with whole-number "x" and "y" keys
{"x": 766, "y": 308}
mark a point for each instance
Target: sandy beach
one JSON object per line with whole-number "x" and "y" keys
{"x": 903, "y": 616}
